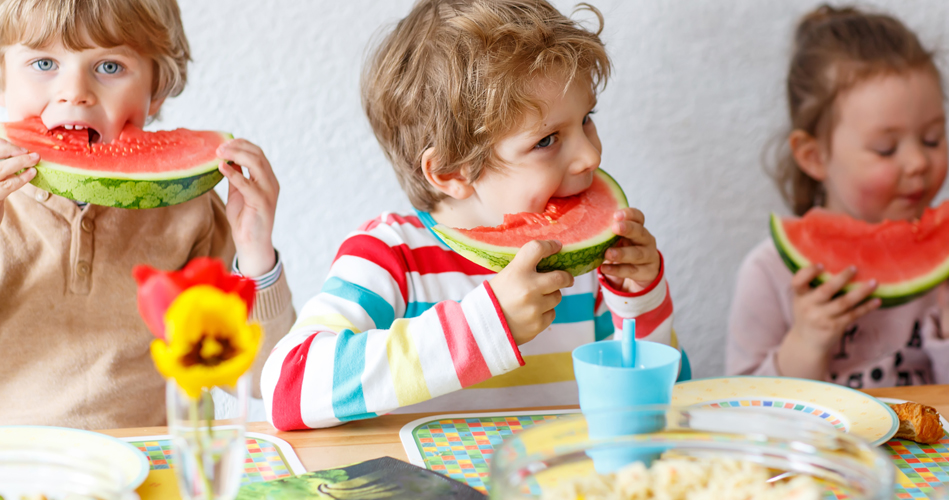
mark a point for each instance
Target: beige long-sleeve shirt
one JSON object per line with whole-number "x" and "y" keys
{"x": 73, "y": 348}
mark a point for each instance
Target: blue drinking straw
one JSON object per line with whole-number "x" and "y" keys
{"x": 629, "y": 343}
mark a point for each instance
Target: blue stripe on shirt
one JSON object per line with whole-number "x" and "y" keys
{"x": 380, "y": 311}
{"x": 604, "y": 326}
{"x": 349, "y": 361}
{"x": 575, "y": 308}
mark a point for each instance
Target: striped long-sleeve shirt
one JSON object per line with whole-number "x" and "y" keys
{"x": 403, "y": 323}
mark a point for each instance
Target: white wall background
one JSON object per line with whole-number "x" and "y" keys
{"x": 697, "y": 96}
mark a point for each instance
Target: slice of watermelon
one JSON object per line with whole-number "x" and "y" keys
{"x": 137, "y": 170}
{"x": 907, "y": 258}
{"x": 580, "y": 222}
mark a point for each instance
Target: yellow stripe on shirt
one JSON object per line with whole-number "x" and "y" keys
{"x": 406, "y": 369}
{"x": 540, "y": 369}
{"x": 537, "y": 369}
{"x": 334, "y": 321}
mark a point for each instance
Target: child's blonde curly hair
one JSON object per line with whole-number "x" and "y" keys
{"x": 151, "y": 27}
{"x": 456, "y": 75}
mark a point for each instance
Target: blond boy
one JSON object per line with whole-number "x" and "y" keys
{"x": 483, "y": 107}
{"x": 73, "y": 350}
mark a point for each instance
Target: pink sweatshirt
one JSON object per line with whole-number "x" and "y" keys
{"x": 900, "y": 345}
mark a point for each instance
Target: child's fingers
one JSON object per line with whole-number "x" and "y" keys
{"x": 255, "y": 162}
{"x": 551, "y": 300}
{"x": 860, "y": 311}
{"x": 8, "y": 150}
{"x": 633, "y": 254}
{"x": 801, "y": 282}
{"x": 830, "y": 288}
{"x": 553, "y": 281}
{"x": 841, "y": 305}
{"x": 630, "y": 214}
{"x": 533, "y": 252}
{"x": 11, "y": 183}
{"x": 235, "y": 177}
{"x": 629, "y": 271}
{"x": 634, "y": 231}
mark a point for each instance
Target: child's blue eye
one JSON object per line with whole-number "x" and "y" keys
{"x": 109, "y": 67}
{"x": 44, "y": 65}
{"x": 546, "y": 142}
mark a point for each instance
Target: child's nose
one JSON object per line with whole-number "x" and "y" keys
{"x": 587, "y": 156}
{"x": 916, "y": 160}
{"x": 76, "y": 90}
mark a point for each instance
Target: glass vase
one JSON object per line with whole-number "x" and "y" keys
{"x": 208, "y": 455}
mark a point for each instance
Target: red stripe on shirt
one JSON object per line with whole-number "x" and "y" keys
{"x": 435, "y": 260}
{"x": 378, "y": 252}
{"x": 288, "y": 392}
{"x": 391, "y": 219}
{"x": 507, "y": 330}
{"x": 398, "y": 219}
{"x": 470, "y": 365}
{"x": 647, "y": 322}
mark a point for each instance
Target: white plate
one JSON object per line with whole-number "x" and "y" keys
{"x": 103, "y": 449}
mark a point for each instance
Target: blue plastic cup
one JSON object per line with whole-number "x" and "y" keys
{"x": 609, "y": 393}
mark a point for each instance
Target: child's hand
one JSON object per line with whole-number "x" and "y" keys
{"x": 251, "y": 205}
{"x": 527, "y": 297}
{"x": 632, "y": 264}
{"x": 13, "y": 160}
{"x": 820, "y": 320}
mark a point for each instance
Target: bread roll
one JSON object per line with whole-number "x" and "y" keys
{"x": 918, "y": 423}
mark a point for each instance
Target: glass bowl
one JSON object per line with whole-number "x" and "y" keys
{"x": 538, "y": 459}
{"x": 32, "y": 472}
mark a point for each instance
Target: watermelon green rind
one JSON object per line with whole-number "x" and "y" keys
{"x": 890, "y": 295}
{"x": 126, "y": 189}
{"x": 123, "y": 192}
{"x": 576, "y": 258}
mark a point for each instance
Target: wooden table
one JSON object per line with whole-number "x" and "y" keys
{"x": 373, "y": 438}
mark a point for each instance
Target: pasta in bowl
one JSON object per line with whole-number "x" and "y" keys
{"x": 675, "y": 453}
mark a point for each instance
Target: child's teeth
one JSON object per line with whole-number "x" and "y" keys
{"x": 67, "y": 127}
{"x": 79, "y": 127}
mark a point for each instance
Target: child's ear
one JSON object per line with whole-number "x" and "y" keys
{"x": 455, "y": 184}
{"x": 806, "y": 150}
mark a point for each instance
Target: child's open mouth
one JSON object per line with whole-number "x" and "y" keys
{"x": 76, "y": 132}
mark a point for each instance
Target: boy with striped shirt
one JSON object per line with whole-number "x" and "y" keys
{"x": 483, "y": 107}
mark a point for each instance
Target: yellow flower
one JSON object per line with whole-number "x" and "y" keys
{"x": 208, "y": 341}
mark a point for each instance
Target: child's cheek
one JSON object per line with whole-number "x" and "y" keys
{"x": 877, "y": 188}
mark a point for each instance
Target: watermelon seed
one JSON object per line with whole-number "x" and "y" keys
{"x": 59, "y": 136}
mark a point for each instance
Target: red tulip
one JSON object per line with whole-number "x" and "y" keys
{"x": 158, "y": 289}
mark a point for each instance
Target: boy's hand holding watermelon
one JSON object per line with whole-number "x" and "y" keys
{"x": 633, "y": 263}
{"x": 528, "y": 297}
{"x": 14, "y": 160}
{"x": 251, "y": 205}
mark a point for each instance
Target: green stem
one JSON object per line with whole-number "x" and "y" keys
{"x": 200, "y": 441}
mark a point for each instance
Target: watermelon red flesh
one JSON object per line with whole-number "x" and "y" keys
{"x": 581, "y": 223}
{"x": 137, "y": 170}
{"x": 906, "y": 258}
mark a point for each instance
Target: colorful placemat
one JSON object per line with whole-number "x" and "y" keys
{"x": 461, "y": 446}
{"x": 267, "y": 458}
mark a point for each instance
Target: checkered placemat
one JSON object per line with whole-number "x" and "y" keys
{"x": 267, "y": 458}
